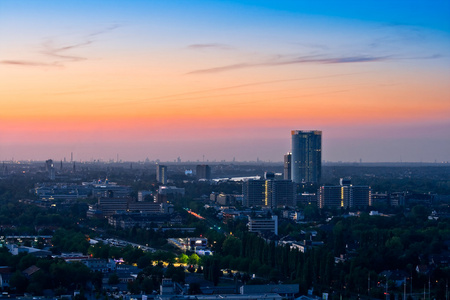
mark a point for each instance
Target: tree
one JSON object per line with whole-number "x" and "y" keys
{"x": 144, "y": 261}
{"x": 147, "y": 285}
{"x": 231, "y": 246}
{"x": 183, "y": 258}
{"x": 113, "y": 279}
{"x": 177, "y": 274}
{"x": 133, "y": 287}
{"x": 194, "y": 259}
{"x": 194, "y": 288}
{"x": 18, "y": 282}
{"x": 79, "y": 297}
{"x": 420, "y": 212}
{"x": 27, "y": 261}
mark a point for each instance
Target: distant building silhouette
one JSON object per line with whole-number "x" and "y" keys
{"x": 306, "y": 161}
{"x": 50, "y": 169}
{"x": 203, "y": 172}
{"x": 287, "y": 166}
{"x": 161, "y": 174}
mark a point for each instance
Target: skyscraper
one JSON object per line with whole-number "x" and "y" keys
{"x": 287, "y": 166}
{"x": 161, "y": 174}
{"x": 306, "y": 161}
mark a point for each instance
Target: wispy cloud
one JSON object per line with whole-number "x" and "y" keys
{"x": 390, "y": 42}
{"x": 57, "y": 55}
{"x": 207, "y": 93}
{"x": 209, "y": 46}
{"x": 59, "y": 52}
{"x": 28, "y": 63}
{"x": 314, "y": 46}
{"x": 297, "y": 60}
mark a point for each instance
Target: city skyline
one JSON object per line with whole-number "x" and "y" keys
{"x": 217, "y": 80}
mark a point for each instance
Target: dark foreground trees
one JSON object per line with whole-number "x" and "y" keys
{"x": 365, "y": 245}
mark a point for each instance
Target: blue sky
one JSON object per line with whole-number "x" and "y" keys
{"x": 224, "y": 78}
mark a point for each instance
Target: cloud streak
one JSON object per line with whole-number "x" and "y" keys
{"x": 187, "y": 95}
{"x": 28, "y": 63}
{"x": 209, "y": 46}
{"x": 58, "y": 53}
{"x": 298, "y": 60}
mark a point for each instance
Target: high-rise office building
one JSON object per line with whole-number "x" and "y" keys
{"x": 287, "y": 166}
{"x": 161, "y": 174}
{"x": 306, "y": 161}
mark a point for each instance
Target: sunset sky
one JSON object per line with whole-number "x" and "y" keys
{"x": 225, "y": 79}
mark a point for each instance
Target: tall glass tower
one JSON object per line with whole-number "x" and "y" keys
{"x": 306, "y": 161}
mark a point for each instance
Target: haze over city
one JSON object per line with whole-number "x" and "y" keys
{"x": 224, "y": 80}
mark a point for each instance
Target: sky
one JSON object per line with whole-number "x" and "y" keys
{"x": 224, "y": 80}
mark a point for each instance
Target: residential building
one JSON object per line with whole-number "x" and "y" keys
{"x": 171, "y": 190}
{"x": 360, "y": 196}
{"x": 224, "y": 199}
{"x": 279, "y": 193}
{"x": 110, "y": 206}
{"x": 269, "y": 193}
{"x": 99, "y": 264}
{"x": 253, "y": 191}
{"x": 330, "y": 196}
{"x": 262, "y": 225}
{"x": 344, "y": 195}
{"x": 307, "y": 198}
